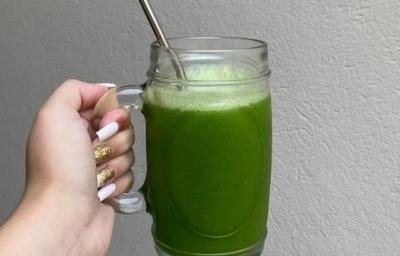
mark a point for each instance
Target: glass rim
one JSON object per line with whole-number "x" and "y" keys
{"x": 259, "y": 44}
{"x": 206, "y": 83}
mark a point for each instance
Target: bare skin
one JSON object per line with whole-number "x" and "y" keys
{"x": 60, "y": 213}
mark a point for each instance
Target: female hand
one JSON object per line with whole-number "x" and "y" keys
{"x": 60, "y": 212}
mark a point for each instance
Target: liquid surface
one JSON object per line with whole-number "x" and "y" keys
{"x": 209, "y": 156}
{"x": 208, "y": 97}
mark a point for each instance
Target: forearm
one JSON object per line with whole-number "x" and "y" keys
{"x": 40, "y": 226}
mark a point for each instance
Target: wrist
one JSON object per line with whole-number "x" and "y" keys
{"x": 48, "y": 222}
{"x": 65, "y": 203}
{"x": 59, "y": 205}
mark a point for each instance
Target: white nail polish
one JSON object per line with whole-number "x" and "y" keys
{"x": 108, "y": 85}
{"x": 107, "y": 131}
{"x": 106, "y": 191}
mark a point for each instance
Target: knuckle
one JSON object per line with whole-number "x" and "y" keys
{"x": 70, "y": 82}
{"x": 131, "y": 158}
{"x": 125, "y": 139}
{"x": 130, "y": 181}
{"x": 130, "y": 136}
{"x": 124, "y": 148}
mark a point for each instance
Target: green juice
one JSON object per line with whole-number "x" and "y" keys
{"x": 208, "y": 160}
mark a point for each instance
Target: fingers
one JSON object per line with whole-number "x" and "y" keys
{"x": 106, "y": 103}
{"x": 123, "y": 184}
{"x": 113, "y": 153}
{"x": 110, "y": 143}
{"x": 76, "y": 94}
{"x": 114, "y": 168}
{"x": 115, "y": 146}
{"x": 111, "y": 122}
{"x": 120, "y": 115}
{"x": 119, "y": 186}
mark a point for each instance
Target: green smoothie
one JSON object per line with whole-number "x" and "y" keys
{"x": 208, "y": 158}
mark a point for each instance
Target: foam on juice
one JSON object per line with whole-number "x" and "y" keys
{"x": 209, "y": 97}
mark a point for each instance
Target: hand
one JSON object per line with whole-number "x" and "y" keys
{"x": 60, "y": 213}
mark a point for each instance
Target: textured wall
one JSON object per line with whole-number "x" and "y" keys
{"x": 336, "y": 84}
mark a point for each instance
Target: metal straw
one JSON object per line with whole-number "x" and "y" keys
{"x": 162, "y": 40}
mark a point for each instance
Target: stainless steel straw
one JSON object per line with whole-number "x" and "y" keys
{"x": 162, "y": 40}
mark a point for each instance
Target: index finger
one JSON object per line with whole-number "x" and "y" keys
{"x": 77, "y": 94}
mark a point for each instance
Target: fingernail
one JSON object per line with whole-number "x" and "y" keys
{"x": 107, "y": 131}
{"x": 104, "y": 176}
{"x": 102, "y": 153}
{"x": 106, "y": 191}
{"x": 108, "y": 85}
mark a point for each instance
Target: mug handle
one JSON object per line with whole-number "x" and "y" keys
{"x": 128, "y": 97}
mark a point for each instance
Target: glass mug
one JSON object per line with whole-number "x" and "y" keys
{"x": 208, "y": 141}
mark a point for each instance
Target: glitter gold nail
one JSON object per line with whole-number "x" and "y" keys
{"x": 104, "y": 176}
{"x": 102, "y": 153}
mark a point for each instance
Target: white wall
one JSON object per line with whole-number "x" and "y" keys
{"x": 336, "y": 84}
